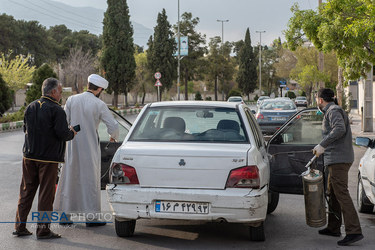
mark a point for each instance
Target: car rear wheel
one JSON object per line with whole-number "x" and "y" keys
{"x": 364, "y": 204}
{"x": 257, "y": 233}
{"x": 124, "y": 228}
{"x": 273, "y": 201}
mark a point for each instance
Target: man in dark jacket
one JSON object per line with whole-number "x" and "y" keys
{"x": 46, "y": 131}
{"x": 338, "y": 157}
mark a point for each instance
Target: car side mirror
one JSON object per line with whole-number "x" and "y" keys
{"x": 363, "y": 141}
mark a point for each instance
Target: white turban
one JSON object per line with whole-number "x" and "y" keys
{"x": 98, "y": 81}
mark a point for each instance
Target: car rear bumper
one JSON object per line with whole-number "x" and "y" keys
{"x": 301, "y": 104}
{"x": 232, "y": 205}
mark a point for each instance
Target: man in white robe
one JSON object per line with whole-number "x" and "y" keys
{"x": 78, "y": 189}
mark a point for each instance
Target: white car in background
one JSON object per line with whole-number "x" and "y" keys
{"x": 366, "y": 176}
{"x": 206, "y": 161}
{"x": 235, "y": 99}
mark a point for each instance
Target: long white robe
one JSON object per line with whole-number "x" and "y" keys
{"x": 78, "y": 190}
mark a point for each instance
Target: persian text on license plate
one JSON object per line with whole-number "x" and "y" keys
{"x": 181, "y": 207}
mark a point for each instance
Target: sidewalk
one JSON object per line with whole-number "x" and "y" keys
{"x": 356, "y": 125}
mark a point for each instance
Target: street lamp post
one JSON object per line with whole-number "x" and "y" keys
{"x": 260, "y": 60}
{"x": 222, "y": 42}
{"x": 178, "y": 54}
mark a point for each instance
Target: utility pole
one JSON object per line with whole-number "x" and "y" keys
{"x": 178, "y": 55}
{"x": 260, "y": 60}
{"x": 222, "y": 48}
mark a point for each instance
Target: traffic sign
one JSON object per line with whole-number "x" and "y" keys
{"x": 287, "y": 88}
{"x": 157, "y": 75}
{"x": 282, "y": 86}
{"x": 283, "y": 82}
{"x": 158, "y": 83}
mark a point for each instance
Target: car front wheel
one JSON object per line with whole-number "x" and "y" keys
{"x": 124, "y": 228}
{"x": 364, "y": 205}
{"x": 257, "y": 233}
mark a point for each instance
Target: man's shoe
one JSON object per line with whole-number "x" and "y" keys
{"x": 349, "y": 239}
{"x": 22, "y": 233}
{"x": 95, "y": 224}
{"x": 328, "y": 232}
{"x": 51, "y": 235}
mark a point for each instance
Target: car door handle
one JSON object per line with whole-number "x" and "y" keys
{"x": 291, "y": 154}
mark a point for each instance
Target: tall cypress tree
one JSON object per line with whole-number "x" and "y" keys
{"x": 118, "y": 49}
{"x": 160, "y": 55}
{"x": 247, "y": 73}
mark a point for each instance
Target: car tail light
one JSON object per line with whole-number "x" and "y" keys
{"x": 122, "y": 173}
{"x": 260, "y": 116}
{"x": 244, "y": 177}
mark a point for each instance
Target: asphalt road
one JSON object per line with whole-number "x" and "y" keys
{"x": 285, "y": 228}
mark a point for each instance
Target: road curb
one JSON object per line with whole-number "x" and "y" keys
{"x": 12, "y": 126}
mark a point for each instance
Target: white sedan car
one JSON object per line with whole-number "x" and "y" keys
{"x": 366, "y": 176}
{"x": 207, "y": 161}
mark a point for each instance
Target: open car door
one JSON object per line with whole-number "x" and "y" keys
{"x": 107, "y": 148}
{"x": 290, "y": 149}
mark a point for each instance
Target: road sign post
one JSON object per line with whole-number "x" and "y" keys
{"x": 157, "y": 76}
{"x": 158, "y": 84}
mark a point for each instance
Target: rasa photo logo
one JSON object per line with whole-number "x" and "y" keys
{"x": 62, "y": 217}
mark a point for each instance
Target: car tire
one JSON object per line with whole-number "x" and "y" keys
{"x": 364, "y": 204}
{"x": 257, "y": 233}
{"x": 125, "y": 228}
{"x": 273, "y": 201}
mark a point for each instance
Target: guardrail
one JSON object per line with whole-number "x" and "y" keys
{"x": 11, "y": 126}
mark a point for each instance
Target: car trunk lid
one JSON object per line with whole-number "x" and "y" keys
{"x": 184, "y": 165}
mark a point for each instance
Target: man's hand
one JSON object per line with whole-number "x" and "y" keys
{"x": 72, "y": 129}
{"x": 112, "y": 139}
{"x": 318, "y": 150}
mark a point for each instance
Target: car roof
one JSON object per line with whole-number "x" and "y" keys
{"x": 196, "y": 103}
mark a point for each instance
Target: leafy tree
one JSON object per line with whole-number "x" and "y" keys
{"x": 192, "y": 64}
{"x": 160, "y": 54}
{"x": 34, "y": 41}
{"x": 220, "y": 64}
{"x": 343, "y": 26}
{"x": 10, "y": 33}
{"x": 16, "y": 72}
{"x": 234, "y": 92}
{"x": 290, "y": 94}
{"x": 5, "y": 96}
{"x": 118, "y": 49}
{"x": 247, "y": 73}
{"x": 142, "y": 76}
{"x": 198, "y": 96}
{"x": 42, "y": 73}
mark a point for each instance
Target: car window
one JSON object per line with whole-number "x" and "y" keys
{"x": 255, "y": 129}
{"x": 123, "y": 128}
{"x": 235, "y": 99}
{"x": 194, "y": 124}
{"x": 277, "y": 105}
{"x": 305, "y": 128}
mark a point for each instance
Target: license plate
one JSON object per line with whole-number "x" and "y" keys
{"x": 181, "y": 207}
{"x": 278, "y": 118}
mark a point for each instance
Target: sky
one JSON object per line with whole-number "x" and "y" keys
{"x": 258, "y": 15}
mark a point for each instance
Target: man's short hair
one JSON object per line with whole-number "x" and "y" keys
{"x": 49, "y": 84}
{"x": 93, "y": 86}
{"x": 326, "y": 94}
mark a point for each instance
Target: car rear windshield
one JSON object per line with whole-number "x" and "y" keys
{"x": 193, "y": 124}
{"x": 301, "y": 98}
{"x": 277, "y": 105}
{"x": 235, "y": 99}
